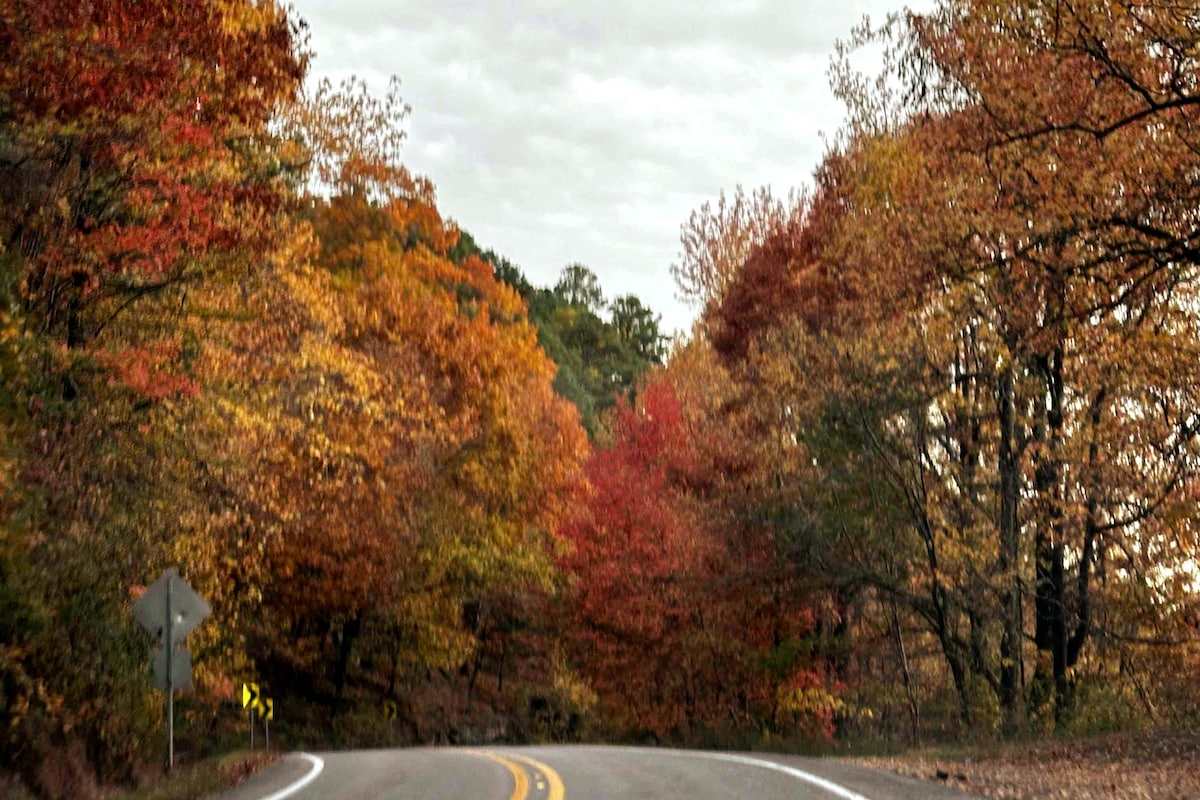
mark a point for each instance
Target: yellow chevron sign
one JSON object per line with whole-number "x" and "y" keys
{"x": 250, "y": 695}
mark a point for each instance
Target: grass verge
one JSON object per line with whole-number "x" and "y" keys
{"x": 202, "y": 779}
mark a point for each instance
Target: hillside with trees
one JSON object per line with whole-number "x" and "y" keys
{"x": 600, "y": 346}
{"x": 928, "y": 466}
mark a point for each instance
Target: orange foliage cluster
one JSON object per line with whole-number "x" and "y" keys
{"x": 403, "y": 461}
{"x": 236, "y": 343}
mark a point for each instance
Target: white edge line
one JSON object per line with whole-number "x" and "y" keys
{"x": 799, "y": 774}
{"x": 288, "y": 791}
{"x": 808, "y": 777}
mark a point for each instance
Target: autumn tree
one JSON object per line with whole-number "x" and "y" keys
{"x": 401, "y": 465}
{"x": 684, "y": 621}
{"x": 717, "y": 240}
{"x": 136, "y": 166}
{"x": 1007, "y": 239}
{"x": 1077, "y": 123}
{"x": 641, "y": 559}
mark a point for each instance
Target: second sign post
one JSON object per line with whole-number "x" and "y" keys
{"x": 257, "y": 705}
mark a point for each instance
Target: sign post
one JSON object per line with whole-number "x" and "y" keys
{"x": 268, "y": 714}
{"x": 170, "y": 610}
{"x": 251, "y": 702}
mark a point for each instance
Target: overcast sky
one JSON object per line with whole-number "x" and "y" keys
{"x": 560, "y": 132}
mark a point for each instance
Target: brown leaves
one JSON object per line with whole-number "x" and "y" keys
{"x": 957, "y": 346}
{"x": 1119, "y": 767}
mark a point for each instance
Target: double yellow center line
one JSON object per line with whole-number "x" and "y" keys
{"x": 517, "y": 764}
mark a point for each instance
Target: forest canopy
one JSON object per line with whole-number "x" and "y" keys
{"x": 927, "y": 464}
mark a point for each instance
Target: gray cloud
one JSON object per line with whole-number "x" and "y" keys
{"x": 561, "y": 132}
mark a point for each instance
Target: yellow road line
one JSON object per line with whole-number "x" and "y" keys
{"x": 557, "y": 791}
{"x": 520, "y": 781}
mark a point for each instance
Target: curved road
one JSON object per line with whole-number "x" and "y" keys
{"x": 577, "y": 772}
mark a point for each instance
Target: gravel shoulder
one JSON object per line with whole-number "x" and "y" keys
{"x": 1161, "y": 765}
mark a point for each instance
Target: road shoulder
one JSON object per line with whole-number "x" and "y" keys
{"x": 287, "y": 772}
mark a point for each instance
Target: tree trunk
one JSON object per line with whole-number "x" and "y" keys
{"x": 1008, "y": 563}
{"x": 349, "y": 633}
{"x": 1091, "y": 532}
{"x": 914, "y": 707}
{"x": 474, "y": 674}
{"x": 940, "y": 620}
{"x": 1050, "y": 543}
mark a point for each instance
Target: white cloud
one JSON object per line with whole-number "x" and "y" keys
{"x": 559, "y": 131}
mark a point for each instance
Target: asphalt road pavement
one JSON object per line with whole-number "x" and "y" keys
{"x": 577, "y": 772}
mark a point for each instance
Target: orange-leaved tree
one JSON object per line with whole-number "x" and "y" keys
{"x": 403, "y": 460}
{"x": 137, "y": 168}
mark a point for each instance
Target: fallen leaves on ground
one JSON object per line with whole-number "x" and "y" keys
{"x": 1162, "y": 766}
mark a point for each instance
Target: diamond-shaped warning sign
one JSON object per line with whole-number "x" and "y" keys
{"x": 170, "y": 590}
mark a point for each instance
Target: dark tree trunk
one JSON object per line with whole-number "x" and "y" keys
{"x": 914, "y": 707}
{"x": 349, "y": 633}
{"x": 1008, "y": 563}
{"x": 1050, "y": 634}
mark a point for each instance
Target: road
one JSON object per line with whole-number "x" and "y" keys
{"x": 577, "y": 772}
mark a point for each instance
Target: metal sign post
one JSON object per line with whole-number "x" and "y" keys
{"x": 170, "y": 610}
{"x": 268, "y": 713}
{"x": 169, "y": 644}
{"x": 251, "y": 700}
